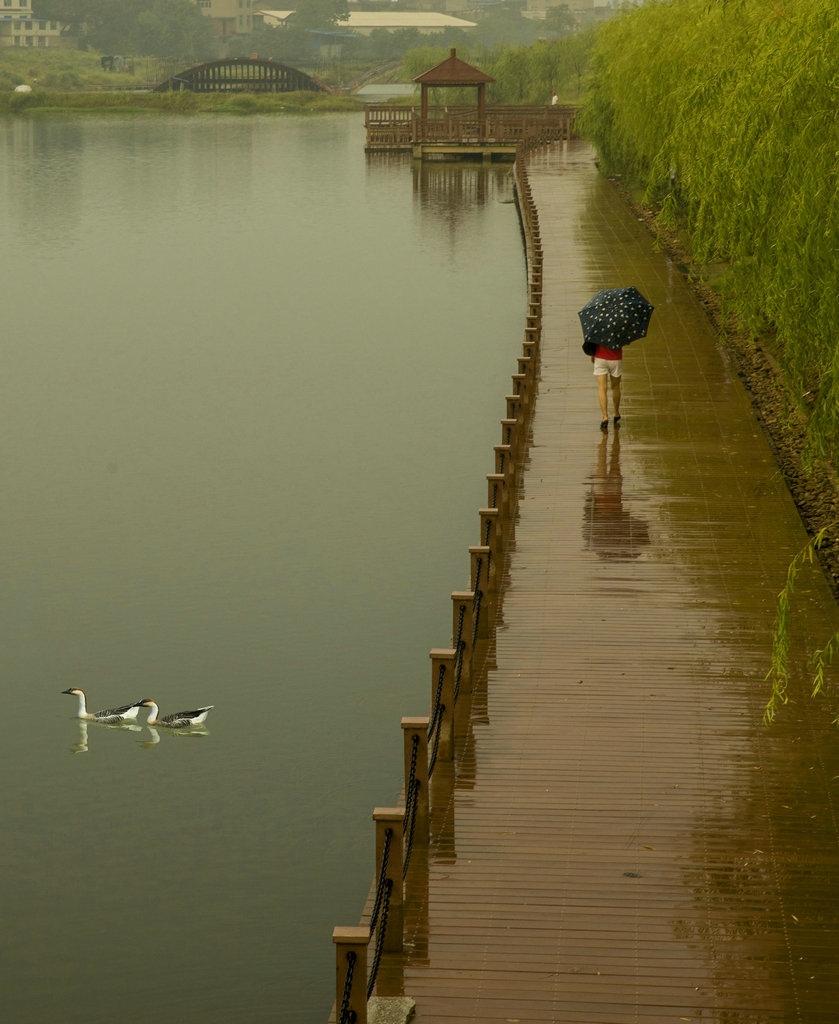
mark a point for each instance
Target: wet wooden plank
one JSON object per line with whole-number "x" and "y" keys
{"x": 623, "y": 839}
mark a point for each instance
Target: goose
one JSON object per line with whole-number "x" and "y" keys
{"x": 179, "y": 720}
{"x": 108, "y": 717}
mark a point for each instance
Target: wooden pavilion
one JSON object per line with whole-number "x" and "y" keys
{"x": 454, "y": 131}
{"x": 454, "y": 73}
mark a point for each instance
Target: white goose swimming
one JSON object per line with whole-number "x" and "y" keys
{"x": 111, "y": 716}
{"x": 179, "y": 720}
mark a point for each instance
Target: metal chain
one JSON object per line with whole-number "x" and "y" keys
{"x": 476, "y": 613}
{"x": 380, "y": 940}
{"x": 432, "y": 760}
{"x": 479, "y": 562}
{"x": 435, "y": 711}
{"x": 346, "y": 1015}
{"x": 411, "y": 804}
{"x": 380, "y": 887}
{"x": 459, "y": 647}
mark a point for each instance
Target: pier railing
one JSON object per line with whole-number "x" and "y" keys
{"x": 404, "y": 834}
{"x": 395, "y": 128}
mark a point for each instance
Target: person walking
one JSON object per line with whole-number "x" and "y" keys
{"x": 608, "y": 368}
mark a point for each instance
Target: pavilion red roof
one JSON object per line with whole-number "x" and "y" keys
{"x": 453, "y": 71}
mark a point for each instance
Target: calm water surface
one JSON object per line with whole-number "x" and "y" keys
{"x": 251, "y": 383}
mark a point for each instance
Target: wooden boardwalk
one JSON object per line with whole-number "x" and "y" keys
{"x": 623, "y": 840}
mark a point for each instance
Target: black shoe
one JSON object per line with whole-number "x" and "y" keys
{"x": 604, "y": 424}
{"x": 617, "y": 421}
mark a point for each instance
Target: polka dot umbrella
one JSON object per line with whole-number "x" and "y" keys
{"x": 614, "y": 317}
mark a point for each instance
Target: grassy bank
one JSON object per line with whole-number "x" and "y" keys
{"x": 43, "y": 101}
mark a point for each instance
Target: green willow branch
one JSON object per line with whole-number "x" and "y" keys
{"x": 778, "y": 676}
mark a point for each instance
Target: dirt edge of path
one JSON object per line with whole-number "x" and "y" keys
{"x": 815, "y": 492}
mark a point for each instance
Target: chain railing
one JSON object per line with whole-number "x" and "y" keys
{"x": 456, "y": 672}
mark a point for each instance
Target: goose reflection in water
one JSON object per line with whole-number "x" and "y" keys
{"x": 82, "y": 746}
{"x": 608, "y": 528}
{"x": 154, "y": 736}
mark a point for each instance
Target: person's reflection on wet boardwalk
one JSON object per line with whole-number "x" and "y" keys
{"x": 626, "y": 841}
{"x": 608, "y": 528}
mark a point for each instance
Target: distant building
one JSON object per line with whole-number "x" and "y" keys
{"x": 364, "y": 22}
{"x": 229, "y": 17}
{"x": 18, "y": 26}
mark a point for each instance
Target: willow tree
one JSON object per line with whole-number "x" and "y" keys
{"x": 726, "y": 114}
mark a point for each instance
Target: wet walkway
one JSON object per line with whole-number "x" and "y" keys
{"x": 626, "y": 842}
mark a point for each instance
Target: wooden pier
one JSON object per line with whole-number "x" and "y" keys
{"x": 457, "y": 132}
{"x": 614, "y": 835}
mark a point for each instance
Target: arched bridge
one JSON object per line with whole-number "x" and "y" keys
{"x": 241, "y": 74}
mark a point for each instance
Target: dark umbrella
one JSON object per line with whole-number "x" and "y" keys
{"x": 614, "y": 317}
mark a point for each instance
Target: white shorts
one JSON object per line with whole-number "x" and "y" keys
{"x": 611, "y": 366}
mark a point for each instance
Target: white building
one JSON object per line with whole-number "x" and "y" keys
{"x": 18, "y": 26}
{"x": 365, "y": 22}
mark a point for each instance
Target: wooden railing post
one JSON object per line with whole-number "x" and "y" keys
{"x": 491, "y": 535}
{"x": 531, "y": 341}
{"x": 510, "y": 434}
{"x": 514, "y": 407}
{"x": 521, "y": 388}
{"x": 415, "y": 744}
{"x": 351, "y": 973}
{"x": 504, "y": 464}
{"x": 444, "y": 658}
{"x": 389, "y": 834}
{"x": 462, "y": 603}
{"x": 496, "y": 495}
{"x": 479, "y": 556}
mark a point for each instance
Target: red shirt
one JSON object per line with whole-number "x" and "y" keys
{"x": 607, "y": 353}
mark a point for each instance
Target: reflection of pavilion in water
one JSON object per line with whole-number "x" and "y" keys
{"x": 456, "y": 189}
{"x": 452, "y": 190}
{"x": 608, "y": 528}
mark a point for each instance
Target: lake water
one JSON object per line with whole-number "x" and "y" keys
{"x": 251, "y": 383}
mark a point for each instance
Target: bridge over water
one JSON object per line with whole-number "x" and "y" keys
{"x": 241, "y": 74}
{"x": 614, "y": 835}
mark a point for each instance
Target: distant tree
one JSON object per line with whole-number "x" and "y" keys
{"x": 68, "y": 12}
{"x": 319, "y": 15}
{"x": 147, "y": 27}
{"x": 559, "y": 21}
{"x": 506, "y": 27}
{"x": 174, "y": 28}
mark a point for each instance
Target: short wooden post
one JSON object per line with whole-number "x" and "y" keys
{"x": 504, "y": 461}
{"x": 462, "y": 603}
{"x": 521, "y": 388}
{"x": 443, "y": 658}
{"x": 533, "y": 323}
{"x": 482, "y": 588}
{"x": 490, "y": 532}
{"x": 479, "y": 558}
{"x": 351, "y": 974}
{"x": 514, "y": 407}
{"x": 509, "y": 433}
{"x": 490, "y": 539}
{"x": 526, "y": 365}
{"x": 531, "y": 341}
{"x": 389, "y": 822}
{"x": 495, "y": 491}
{"x": 415, "y": 742}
